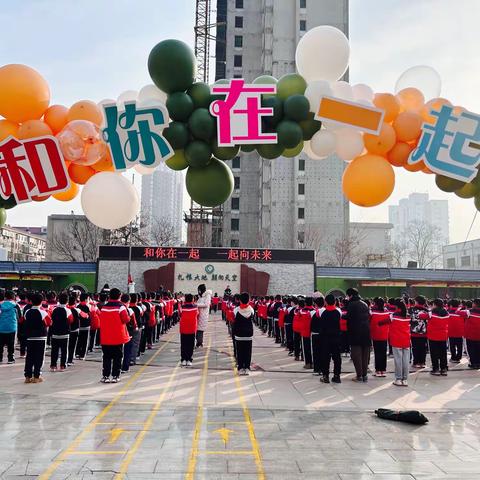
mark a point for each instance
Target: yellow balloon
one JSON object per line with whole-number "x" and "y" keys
{"x": 69, "y": 194}
{"x": 368, "y": 180}
{"x": 24, "y": 93}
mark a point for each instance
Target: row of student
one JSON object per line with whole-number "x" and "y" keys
{"x": 319, "y": 329}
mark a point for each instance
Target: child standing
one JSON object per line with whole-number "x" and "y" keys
{"x": 379, "y": 326}
{"x": 400, "y": 342}
{"x": 8, "y": 325}
{"x": 188, "y": 330}
{"x": 243, "y": 334}
{"x": 62, "y": 317}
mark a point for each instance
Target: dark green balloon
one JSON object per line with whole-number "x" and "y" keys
{"x": 224, "y": 153}
{"x": 297, "y": 108}
{"x": 291, "y": 84}
{"x": 178, "y": 161}
{"x": 293, "y": 152}
{"x": 198, "y": 153}
{"x": 248, "y": 148}
{"x": 469, "y": 190}
{"x": 265, "y": 80}
{"x": 200, "y": 94}
{"x": 221, "y": 81}
{"x": 180, "y": 106}
{"x": 210, "y": 186}
{"x": 201, "y": 124}
{"x": 8, "y": 203}
{"x": 3, "y": 217}
{"x": 310, "y": 126}
{"x": 447, "y": 184}
{"x": 270, "y": 150}
{"x": 289, "y": 134}
{"x": 176, "y": 135}
{"x": 277, "y": 105}
{"x": 172, "y": 66}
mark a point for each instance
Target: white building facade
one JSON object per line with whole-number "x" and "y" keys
{"x": 277, "y": 203}
{"x": 20, "y": 246}
{"x": 462, "y": 256}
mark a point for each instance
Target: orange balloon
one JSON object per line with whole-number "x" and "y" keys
{"x": 427, "y": 171}
{"x": 368, "y": 180}
{"x": 398, "y": 155}
{"x": 56, "y": 117}
{"x": 105, "y": 165}
{"x": 433, "y": 104}
{"x": 85, "y": 110}
{"x": 411, "y": 99}
{"x": 418, "y": 167}
{"x": 8, "y": 128}
{"x": 80, "y": 173}
{"x": 38, "y": 198}
{"x": 408, "y": 126}
{"x": 24, "y": 93}
{"x": 33, "y": 128}
{"x": 69, "y": 194}
{"x": 389, "y": 103}
{"x": 380, "y": 144}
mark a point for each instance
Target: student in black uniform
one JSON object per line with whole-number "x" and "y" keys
{"x": 74, "y": 328}
{"x": 330, "y": 317}
{"x": 84, "y": 329}
{"x": 243, "y": 333}
{"x": 316, "y": 339}
{"x": 60, "y": 332}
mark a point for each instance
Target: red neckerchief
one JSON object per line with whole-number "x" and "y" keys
{"x": 330, "y": 307}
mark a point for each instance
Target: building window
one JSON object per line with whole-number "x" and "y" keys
{"x": 237, "y": 75}
{"x": 235, "y": 224}
{"x": 301, "y": 213}
{"x": 303, "y": 25}
{"x": 236, "y": 162}
{"x": 237, "y": 183}
{"x": 303, "y": 3}
{"x": 237, "y": 61}
{"x": 465, "y": 261}
{"x": 301, "y": 237}
{"x": 450, "y": 263}
{"x": 238, "y": 22}
{"x": 238, "y": 41}
{"x": 301, "y": 189}
{"x": 301, "y": 165}
{"x": 234, "y": 242}
{"x": 235, "y": 203}
{"x": 238, "y": 3}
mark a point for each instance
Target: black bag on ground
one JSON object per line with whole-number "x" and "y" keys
{"x": 407, "y": 416}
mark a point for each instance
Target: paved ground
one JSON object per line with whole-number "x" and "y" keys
{"x": 165, "y": 422}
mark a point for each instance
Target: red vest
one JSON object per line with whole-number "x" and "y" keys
{"x": 306, "y": 321}
{"x": 472, "y": 325}
{"x": 456, "y": 324}
{"x": 113, "y": 324}
{"x": 188, "y": 319}
{"x": 400, "y": 332}
{"x": 379, "y": 332}
{"x": 281, "y": 318}
{"x": 297, "y": 321}
{"x": 437, "y": 328}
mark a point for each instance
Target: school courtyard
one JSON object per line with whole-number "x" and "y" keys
{"x": 167, "y": 422}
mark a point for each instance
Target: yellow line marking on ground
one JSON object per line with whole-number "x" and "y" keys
{"x": 224, "y": 434}
{"x": 192, "y": 461}
{"x": 76, "y": 442}
{"x": 148, "y": 424}
{"x": 120, "y": 423}
{"x": 115, "y": 434}
{"x": 111, "y": 452}
{"x": 248, "y": 421}
{"x": 221, "y": 422}
{"x": 227, "y": 452}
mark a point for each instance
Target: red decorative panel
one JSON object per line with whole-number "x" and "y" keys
{"x": 253, "y": 281}
{"x": 160, "y": 276}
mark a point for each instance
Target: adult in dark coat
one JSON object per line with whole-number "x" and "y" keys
{"x": 358, "y": 327}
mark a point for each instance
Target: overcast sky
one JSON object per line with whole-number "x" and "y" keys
{"x": 96, "y": 49}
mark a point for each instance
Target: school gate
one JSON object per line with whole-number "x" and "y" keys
{"x": 182, "y": 269}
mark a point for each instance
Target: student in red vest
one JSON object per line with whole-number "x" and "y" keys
{"x": 306, "y": 316}
{"x": 437, "y": 334}
{"x": 114, "y": 317}
{"x": 281, "y": 321}
{"x": 379, "y": 328}
{"x": 297, "y": 329}
{"x": 400, "y": 342}
{"x": 472, "y": 334}
{"x": 131, "y": 328}
{"x": 418, "y": 331}
{"x": 62, "y": 318}
{"x": 188, "y": 329}
{"x": 344, "y": 343}
{"x": 456, "y": 331}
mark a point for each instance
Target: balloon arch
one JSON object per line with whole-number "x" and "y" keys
{"x": 407, "y": 124}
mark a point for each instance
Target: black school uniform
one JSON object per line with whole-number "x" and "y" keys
{"x": 243, "y": 335}
{"x": 35, "y": 328}
{"x": 60, "y": 333}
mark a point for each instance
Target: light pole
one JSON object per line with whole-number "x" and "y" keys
{"x": 130, "y": 245}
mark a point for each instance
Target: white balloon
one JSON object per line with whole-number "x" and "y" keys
{"x": 143, "y": 170}
{"x": 109, "y": 200}
{"x": 127, "y": 96}
{"x": 323, "y": 143}
{"x": 106, "y": 101}
{"x": 307, "y": 149}
{"x": 322, "y": 54}
{"x": 342, "y": 90}
{"x": 362, "y": 92}
{"x": 149, "y": 92}
{"x": 316, "y": 91}
{"x": 423, "y": 77}
{"x": 349, "y": 144}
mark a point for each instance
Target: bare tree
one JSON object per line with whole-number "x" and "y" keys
{"x": 347, "y": 250}
{"x": 423, "y": 241}
{"x": 399, "y": 253}
{"x": 130, "y": 234}
{"x": 163, "y": 232}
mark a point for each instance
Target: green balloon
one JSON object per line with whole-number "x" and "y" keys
{"x": 310, "y": 127}
{"x": 224, "y": 153}
{"x": 447, "y": 184}
{"x": 3, "y": 217}
{"x": 289, "y": 134}
{"x": 172, "y": 66}
{"x": 248, "y": 148}
{"x": 219, "y": 96}
{"x": 265, "y": 80}
{"x": 297, "y": 108}
{"x": 200, "y": 94}
{"x": 270, "y": 150}
{"x": 469, "y": 190}
{"x": 291, "y": 84}
{"x": 176, "y": 134}
{"x": 293, "y": 152}
{"x": 198, "y": 153}
{"x": 8, "y": 203}
{"x": 277, "y": 105}
{"x": 178, "y": 161}
{"x": 201, "y": 124}
{"x": 210, "y": 186}
{"x": 180, "y": 106}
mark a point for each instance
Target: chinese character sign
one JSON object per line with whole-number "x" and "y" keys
{"x": 134, "y": 136}
{"x": 239, "y": 115}
{"x": 451, "y": 145}
{"x": 32, "y": 167}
